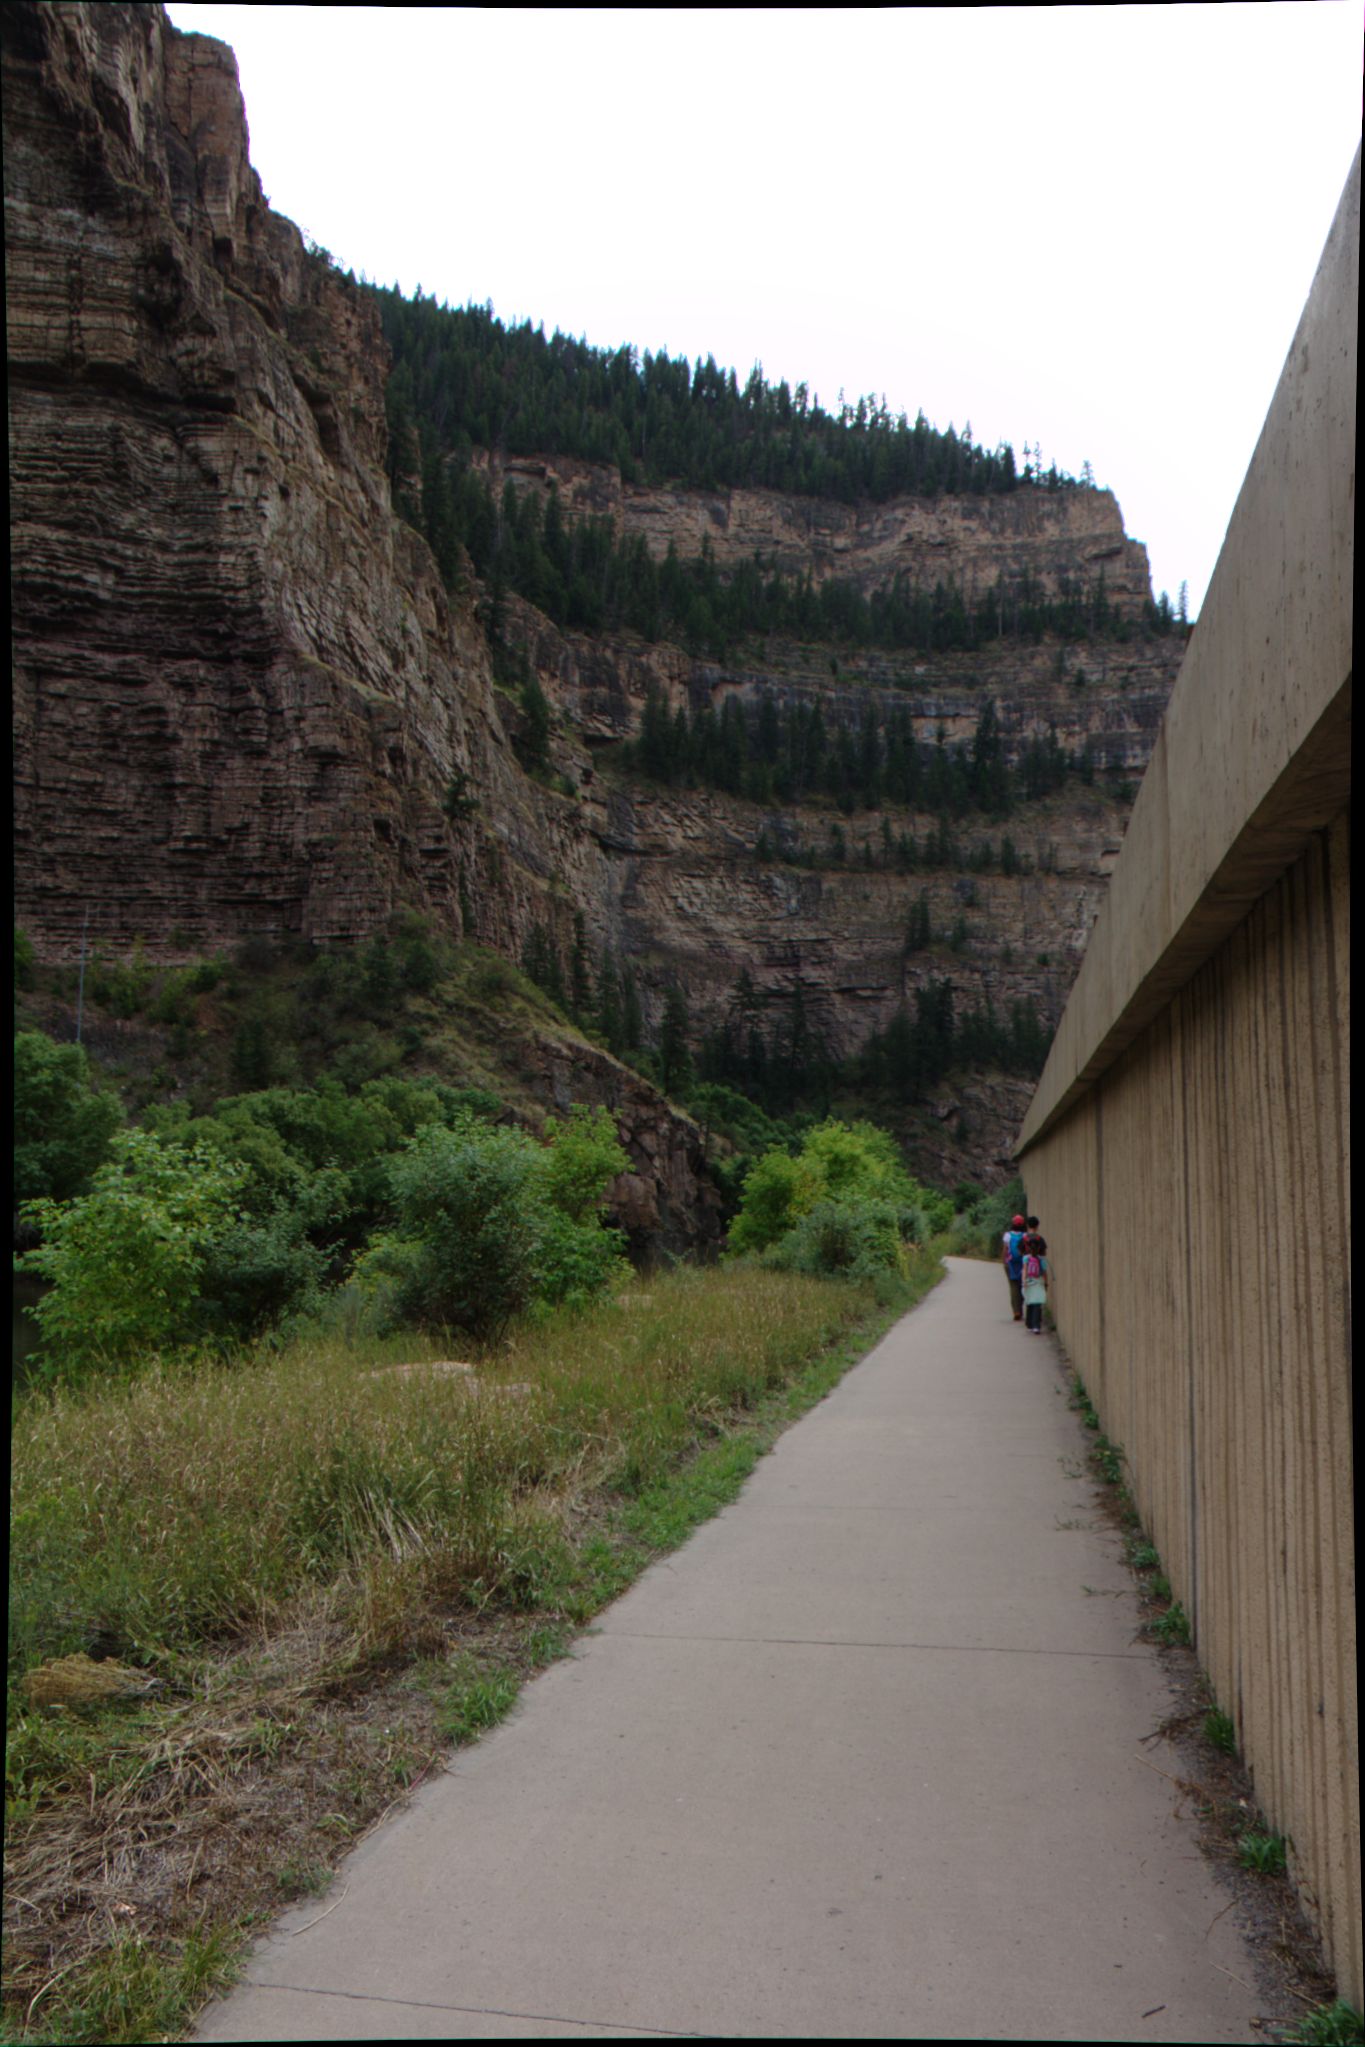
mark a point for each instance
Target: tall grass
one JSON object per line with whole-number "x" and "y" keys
{"x": 192, "y": 1505}
{"x": 271, "y": 1538}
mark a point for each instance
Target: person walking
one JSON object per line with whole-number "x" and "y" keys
{"x": 1034, "y": 1276}
{"x": 1012, "y": 1258}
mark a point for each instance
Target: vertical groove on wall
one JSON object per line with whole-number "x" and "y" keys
{"x": 1185, "y": 1176}
{"x": 1102, "y": 1235}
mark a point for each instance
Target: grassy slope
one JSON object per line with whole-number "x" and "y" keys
{"x": 154, "y": 1044}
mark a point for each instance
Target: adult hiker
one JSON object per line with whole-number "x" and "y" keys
{"x": 1012, "y": 1258}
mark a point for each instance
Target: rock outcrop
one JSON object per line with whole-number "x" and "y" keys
{"x": 1057, "y": 538}
{"x": 239, "y": 685}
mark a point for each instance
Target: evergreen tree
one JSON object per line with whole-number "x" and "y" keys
{"x": 934, "y": 1028}
{"x": 918, "y": 931}
{"x": 675, "y": 1059}
{"x": 533, "y": 747}
{"x": 632, "y": 1018}
{"x": 656, "y": 737}
{"x": 990, "y": 774}
{"x": 610, "y": 1021}
{"x": 580, "y": 976}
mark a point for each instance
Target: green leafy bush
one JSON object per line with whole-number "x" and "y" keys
{"x": 578, "y": 1261}
{"x": 988, "y": 1220}
{"x": 62, "y": 1127}
{"x": 843, "y": 1206}
{"x": 120, "y": 986}
{"x": 937, "y": 1209}
{"x": 474, "y": 1199}
{"x": 124, "y": 1260}
{"x": 849, "y": 1164}
{"x": 843, "y": 1240}
{"x": 257, "y": 1272}
{"x": 856, "y": 1159}
{"x": 490, "y": 1223}
{"x": 174, "y": 1002}
{"x": 585, "y": 1156}
{"x": 779, "y": 1190}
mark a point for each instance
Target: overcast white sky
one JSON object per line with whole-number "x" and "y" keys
{"x": 1093, "y": 227}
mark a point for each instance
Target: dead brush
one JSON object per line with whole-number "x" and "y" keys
{"x": 77, "y": 1681}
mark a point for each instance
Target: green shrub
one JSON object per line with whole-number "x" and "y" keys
{"x": 381, "y": 1277}
{"x": 578, "y": 1261}
{"x": 256, "y": 1272}
{"x": 315, "y": 1166}
{"x": 490, "y": 1223}
{"x": 120, "y": 986}
{"x": 474, "y": 1199}
{"x": 855, "y": 1159}
{"x": 846, "y": 1163}
{"x": 62, "y": 1127}
{"x": 124, "y": 1260}
{"x": 732, "y": 1115}
{"x": 585, "y": 1157}
{"x": 843, "y": 1240}
{"x": 991, "y": 1217}
{"x": 777, "y": 1192}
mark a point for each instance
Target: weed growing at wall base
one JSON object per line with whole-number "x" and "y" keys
{"x": 1262, "y": 1852}
{"x": 1330, "y": 2025}
{"x": 1219, "y": 1730}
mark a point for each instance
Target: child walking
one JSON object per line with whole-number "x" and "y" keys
{"x": 1034, "y": 1278}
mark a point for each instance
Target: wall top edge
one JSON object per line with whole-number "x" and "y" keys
{"x": 1237, "y": 779}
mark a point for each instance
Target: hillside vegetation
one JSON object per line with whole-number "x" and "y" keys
{"x": 347, "y": 1412}
{"x": 462, "y": 382}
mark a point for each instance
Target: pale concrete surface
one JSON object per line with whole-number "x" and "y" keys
{"x": 863, "y": 1760}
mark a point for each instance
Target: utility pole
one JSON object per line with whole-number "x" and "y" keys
{"x": 80, "y": 988}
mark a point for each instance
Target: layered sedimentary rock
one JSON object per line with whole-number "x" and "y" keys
{"x": 1059, "y": 539}
{"x": 242, "y": 692}
{"x": 238, "y": 681}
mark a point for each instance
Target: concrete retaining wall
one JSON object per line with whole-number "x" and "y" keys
{"x": 1188, "y": 1144}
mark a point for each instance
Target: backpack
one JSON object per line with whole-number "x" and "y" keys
{"x": 1033, "y": 1266}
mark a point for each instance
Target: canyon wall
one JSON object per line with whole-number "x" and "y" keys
{"x": 241, "y": 691}
{"x": 238, "y": 681}
{"x": 1058, "y": 538}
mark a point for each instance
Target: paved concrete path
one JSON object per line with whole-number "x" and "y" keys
{"x": 862, "y": 1761}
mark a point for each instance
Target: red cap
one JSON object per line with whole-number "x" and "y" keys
{"x": 1017, "y": 1223}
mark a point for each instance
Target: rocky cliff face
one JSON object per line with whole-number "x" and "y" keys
{"x": 239, "y": 685}
{"x": 241, "y": 690}
{"x": 1055, "y": 538}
